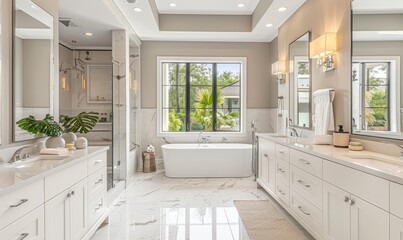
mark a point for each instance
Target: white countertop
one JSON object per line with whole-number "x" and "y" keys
{"x": 17, "y": 175}
{"x": 386, "y": 170}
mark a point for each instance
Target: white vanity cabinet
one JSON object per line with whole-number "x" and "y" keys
{"x": 331, "y": 200}
{"x": 65, "y": 214}
{"x": 267, "y": 165}
{"x": 64, "y": 204}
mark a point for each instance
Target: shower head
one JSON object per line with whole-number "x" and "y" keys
{"x": 88, "y": 58}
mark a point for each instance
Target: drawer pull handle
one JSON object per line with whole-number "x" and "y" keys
{"x": 305, "y": 161}
{"x": 22, "y": 201}
{"x": 99, "y": 207}
{"x": 23, "y": 236}
{"x": 99, "y": 181}
{"x": 281, "y": 170}
{"x": 303, "y": 184}
{"x": 72, "y": 192}
{"x": 281, "y": 151}
{"x": 346, "y": 199}
{"x": 352, "y": 202}
{"x": 265, "y": 155}
{"x": 302, "y": 210}
{"x": 280, "y": 191}
{"x": 98, "y": 161}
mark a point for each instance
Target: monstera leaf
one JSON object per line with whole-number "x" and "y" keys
{"x": 46, "y": 126}
{"x": 82, "y": 123}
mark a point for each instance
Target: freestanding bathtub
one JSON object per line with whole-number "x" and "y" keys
{"x": 207, "y": 160}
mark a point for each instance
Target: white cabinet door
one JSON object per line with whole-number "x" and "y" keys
{"x": 78, "y": 210}
{"x": 336, "y": 213}
{"x": 396, "y": 228}
{"x": 263, "y": 166}
{"x": 271, "y": 171}
{"x": 368, "y": 222}
{"x": 57, "y": 217}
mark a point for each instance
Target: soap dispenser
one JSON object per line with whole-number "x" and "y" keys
{"x": 341, "y": 138}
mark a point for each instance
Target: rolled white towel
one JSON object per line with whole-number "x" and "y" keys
{"x": 54, "y": 151}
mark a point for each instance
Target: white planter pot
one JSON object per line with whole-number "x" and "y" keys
{"x": 55, "y": 142}
{"x": 69, "y": 137}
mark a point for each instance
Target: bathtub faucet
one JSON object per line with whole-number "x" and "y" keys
{"x": 205, "y": 139}
{"x": 198, "y": 138}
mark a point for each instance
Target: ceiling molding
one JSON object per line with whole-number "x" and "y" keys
{"x": 205, "y": 23}
{"x": 260, "y": 11}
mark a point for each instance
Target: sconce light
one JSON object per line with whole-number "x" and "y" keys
{"x": 278, "y": 69}
{"x": 65, "y": 84}
{"x": 83, "y": 82}
{"x": 323, "y": 48}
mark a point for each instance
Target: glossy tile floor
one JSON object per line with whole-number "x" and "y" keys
{"x": 155, "y": 207}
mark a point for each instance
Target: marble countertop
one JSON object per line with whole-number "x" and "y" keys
{"x": 17, "y": 175}
{"x": 384, "y": 167}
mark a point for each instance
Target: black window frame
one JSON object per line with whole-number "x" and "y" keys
{"x": 214, "y": 93}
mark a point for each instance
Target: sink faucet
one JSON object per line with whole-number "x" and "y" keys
{"x": 293, "y": 131}
{"x": 397, "y": 145}
{"x": 17, "y": 155}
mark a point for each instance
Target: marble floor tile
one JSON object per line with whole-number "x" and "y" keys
{"x": 155, "y": 207}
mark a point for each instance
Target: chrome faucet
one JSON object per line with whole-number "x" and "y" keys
{"x": 293, "y": 131}
{"x": 205, "y": 139}
{"x": 17, "y": 155}
{"x": 397, "y": 145}
{"x": 198, "y": 138}
{"x": 224, "y": 140}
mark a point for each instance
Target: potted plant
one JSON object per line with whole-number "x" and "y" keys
{"x": 47, "y": 126}
{"x": 84, "y": 122}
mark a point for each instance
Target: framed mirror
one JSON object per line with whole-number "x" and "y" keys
{"x": 33, "y": 64}
{"x": 300, "y": 82}
{"x": 377, "y": 51}
{"x": 2, "y": 62}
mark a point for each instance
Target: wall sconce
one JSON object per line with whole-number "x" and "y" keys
{"x": 83, "y": 82}
{"x": 323, "y": 48}
{"x": 65, "y": 84}
{"x": 278, "y": 69}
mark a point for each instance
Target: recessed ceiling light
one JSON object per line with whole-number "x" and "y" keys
{"x": 88, "y": 34}
{"x": 241, "y": 5}
{"x": 172, "y": 4}
{"x": 33, "y": 6}
{"x": 137, "y": 9}
{"x": 282, "y": 9}
{"x": 269, "y": 25}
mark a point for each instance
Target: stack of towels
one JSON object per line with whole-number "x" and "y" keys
{"x": 54, "y": 153}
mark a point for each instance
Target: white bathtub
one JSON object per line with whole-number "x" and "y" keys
{"x": 207, "y": 160}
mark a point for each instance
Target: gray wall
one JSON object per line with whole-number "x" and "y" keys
{"x": 52, "y": 7}
{"x": 261, "y": 90}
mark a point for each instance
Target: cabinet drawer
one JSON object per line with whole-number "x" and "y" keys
{"x": 396, "y": 228}
{"x": 267, "y": 146}
{"x": 58, "y": 182}
{"x": 307, "y": 185}
{"x": 29, "y": 227}
{"x": 283, "y": 171}
{"x": 283, "y": 152}
{"x": 306, "y": 162}
{"x": 96, "y": 183}
{"x": 18, "y": 203}
{"x": 365, "y": 186}
{"x": 97, "y": 162}
{"x": 96, "y": 208}
{"x": 396, "y": 199}
{"x": 283, "y": 192}
{"x": 307, "y": 212}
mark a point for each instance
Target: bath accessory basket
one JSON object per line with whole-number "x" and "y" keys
{"x": 149, "y": 162}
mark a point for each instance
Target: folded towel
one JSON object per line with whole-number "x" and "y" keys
{"x": 54, "y": 151}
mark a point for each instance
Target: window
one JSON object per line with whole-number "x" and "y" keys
{"x": 201, "y": 95}
{"x": 375, "y": 98}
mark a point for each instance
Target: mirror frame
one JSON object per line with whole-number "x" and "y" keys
{"x": 51, "y": 72}
{"x": 310, "y": 83}
{"x": 353, "y": 134}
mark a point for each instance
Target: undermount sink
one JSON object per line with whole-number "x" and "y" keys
{"x": 278, "y": 136}
{"x": 37, "y": 161}
{"x": 376, "y": 158}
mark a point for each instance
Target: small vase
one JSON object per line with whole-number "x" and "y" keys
{"x": 69, "y": 137}
{"x": 81, "y": 143}
{"x": 55, "y": 142}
